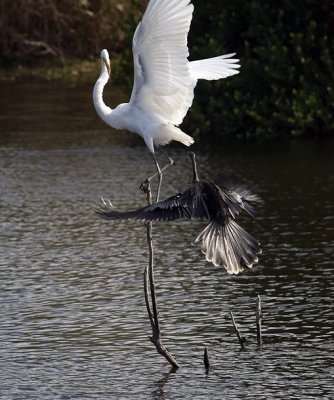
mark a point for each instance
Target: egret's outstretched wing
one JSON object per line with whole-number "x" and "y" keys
{"x": 163, "y": 83}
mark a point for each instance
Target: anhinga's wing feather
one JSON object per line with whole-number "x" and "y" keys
{"x": 178, "y": 206}
{"x": 210, "y": 201}
{"x": 237, "y": 197}
{"x": 201, "y": 200}
{"x": 163, "y": 84}
{"x": 193, "y": 202}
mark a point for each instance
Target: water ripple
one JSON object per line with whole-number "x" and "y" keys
{"x": 73, "y": 322}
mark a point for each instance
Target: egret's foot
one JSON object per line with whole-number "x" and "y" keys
{"x": 144, "y": 186}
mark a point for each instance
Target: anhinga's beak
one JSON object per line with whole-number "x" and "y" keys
{"x": 107, "y": 64}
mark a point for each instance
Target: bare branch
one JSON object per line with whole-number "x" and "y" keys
{"x": 258, "y": 321}
{"x": 147, "y": 301}
{"x": 149, "y": 283}
{"x": 240, "y": 338}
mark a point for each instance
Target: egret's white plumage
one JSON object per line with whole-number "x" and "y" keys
{"x": 164, "y": 79}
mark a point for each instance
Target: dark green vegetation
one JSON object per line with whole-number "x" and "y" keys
{"x": 286, "y": 50}
{"x": 287, "y": 56}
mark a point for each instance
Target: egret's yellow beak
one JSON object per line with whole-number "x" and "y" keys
{"x": 107, "y": 64}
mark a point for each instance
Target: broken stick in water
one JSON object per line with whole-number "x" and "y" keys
{"x": 149, "y": 288}
{"x": 206, "y": 360}
{"x": 258, "y": 321}
{"x": 240, "y": 338}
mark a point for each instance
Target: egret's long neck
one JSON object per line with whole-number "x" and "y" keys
{"x": 100, "y": 107}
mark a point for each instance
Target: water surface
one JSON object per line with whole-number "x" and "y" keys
{"x": 73, "y": 323}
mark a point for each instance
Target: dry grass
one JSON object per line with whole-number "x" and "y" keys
{"x": 31, "y": 30}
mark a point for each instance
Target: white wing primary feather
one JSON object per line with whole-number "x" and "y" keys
{"x": 214, "y": 68}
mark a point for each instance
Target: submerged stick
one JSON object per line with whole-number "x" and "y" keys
{"x": 206, "y": 360}
{"x": 149, "y": 289}
{"x": 240, "y": 338}
{"x": 258, "y": 321}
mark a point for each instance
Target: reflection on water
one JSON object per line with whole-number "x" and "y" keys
{"x": 73, "y": 322}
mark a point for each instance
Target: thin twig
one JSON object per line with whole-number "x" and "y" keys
{"x": 147, "y": 301}
{"x": 154, "y": 308}
{"x": 240, "y": 338}
{"x": 258, "y": 321}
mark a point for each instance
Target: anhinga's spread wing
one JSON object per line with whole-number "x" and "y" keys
{"x": 210, "y": 200}
{"x": 202, "y": 200}
{"x": 222, "y": 241}
{"x": 237, "y": 197}
{"x": 163, "y": 84}
{"x": 178, "y": 206}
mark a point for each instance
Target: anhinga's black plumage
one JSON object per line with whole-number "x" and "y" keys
{"x": 223, "y": 241}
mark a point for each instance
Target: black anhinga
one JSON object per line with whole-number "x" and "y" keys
{"x": 223, "y": 241}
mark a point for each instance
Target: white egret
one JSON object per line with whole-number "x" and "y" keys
{"x": 223, "y": 241}
{"x": 164, "y": 79}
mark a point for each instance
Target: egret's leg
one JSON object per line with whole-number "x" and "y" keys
{"x": 144, "y": 186}
{"x": 170, "y": 160}
{"x": 158, "y": 173}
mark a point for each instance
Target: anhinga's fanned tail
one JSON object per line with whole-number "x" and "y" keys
{"x": 226, "y": 243}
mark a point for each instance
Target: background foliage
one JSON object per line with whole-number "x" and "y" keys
{"x": 33, "y": 30}
{"x": 286, "y": 50}
{"x": 286, "y": 82}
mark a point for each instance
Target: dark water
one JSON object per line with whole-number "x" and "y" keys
{"x": 73, "y": 323}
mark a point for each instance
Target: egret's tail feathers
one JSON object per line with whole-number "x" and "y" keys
{"x": 214, "y": 68}
{"x": 169, "y": 132}
{"x": 184, "y": 138}
{"x": 228, "y": 245}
